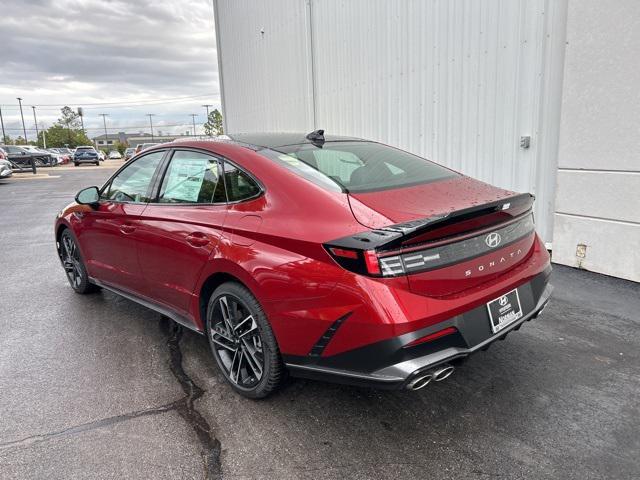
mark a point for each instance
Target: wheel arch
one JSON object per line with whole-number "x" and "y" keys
{"x": 217, "y": 274}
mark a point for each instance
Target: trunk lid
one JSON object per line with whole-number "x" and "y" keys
{"x": 449, "y": 235}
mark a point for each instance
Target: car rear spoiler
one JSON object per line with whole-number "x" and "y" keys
{"x": 394, "y": 236}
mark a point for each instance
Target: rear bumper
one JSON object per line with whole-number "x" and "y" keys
{"x": 389, "y": 365}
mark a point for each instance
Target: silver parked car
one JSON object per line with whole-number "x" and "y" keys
{"x": 5, "y": 169}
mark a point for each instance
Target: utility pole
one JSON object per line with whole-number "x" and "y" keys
{"x": 35, "y": 120}
{"x": 4, "y": 136}
{"x": 151, "y": 123}
{"x": 193, "y": 117}
{"x": 104, "y": 122}
{"x": 22, "y": 116}
{"x": 207, "y": 107}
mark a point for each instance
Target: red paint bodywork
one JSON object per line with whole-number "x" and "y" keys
{"x": 273, "y": 244}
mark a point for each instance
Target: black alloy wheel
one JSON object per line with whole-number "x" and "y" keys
{"x": 73, "y": 264}
{"x": 242, "y": 341}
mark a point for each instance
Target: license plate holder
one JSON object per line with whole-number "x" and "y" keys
{"x": 504, "y": 310}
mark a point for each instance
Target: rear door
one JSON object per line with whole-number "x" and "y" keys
{"x": 182, "y": 227}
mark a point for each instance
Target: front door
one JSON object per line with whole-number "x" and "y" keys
{"x": 109, "y": 241}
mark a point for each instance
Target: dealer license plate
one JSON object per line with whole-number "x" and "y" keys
{"x": 504, "y": 310}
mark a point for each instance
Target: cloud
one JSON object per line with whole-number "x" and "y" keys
{"x": 88, "y": 51}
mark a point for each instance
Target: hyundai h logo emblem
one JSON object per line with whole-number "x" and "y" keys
{"x": 503, "y": 300}
{"x": 493, "y": 240}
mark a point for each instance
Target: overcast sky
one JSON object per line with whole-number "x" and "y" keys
{"x": 79, "y": 52}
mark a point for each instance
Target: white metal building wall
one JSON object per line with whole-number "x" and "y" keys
{"x": 598, "y": 201}
{"x": 456, "y": 81}
{"x": 263, "y": 59}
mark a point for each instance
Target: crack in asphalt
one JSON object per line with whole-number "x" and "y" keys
{"x": 84, "y": 427}
{"x": 211, "y": 447}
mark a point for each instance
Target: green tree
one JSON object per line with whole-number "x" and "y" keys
{"x": 66, "y": 131}
{"x": 120, "y": 147}
{"x": 7, "y": 140}
{"x": 213, "y": 126}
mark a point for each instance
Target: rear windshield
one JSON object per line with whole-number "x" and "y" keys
{"x": 359, "y": 166}
{"x": 85, "y": 149}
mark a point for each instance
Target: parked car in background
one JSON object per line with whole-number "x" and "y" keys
{"x": 18, "y": 155}
{"x": 144, "y": 146}
{"x": 3, "y": 154}
{"x": 86, "y": 154}
{"x": 114, "y": 155}
{"x": 101, "y": 155}
{"x": 41, "y": 157}
{"x": 65, "y": 153}
{"x": 129, "y": 152}
{"x": 5, "y": 169}
{"x": 331, "y": 258}
{"x": 59, "y": 158}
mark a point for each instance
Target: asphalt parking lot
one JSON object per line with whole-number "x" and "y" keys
{"x": 99, "y": 387}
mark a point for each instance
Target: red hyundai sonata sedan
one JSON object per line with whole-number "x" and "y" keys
{"x": 330, "y": 258}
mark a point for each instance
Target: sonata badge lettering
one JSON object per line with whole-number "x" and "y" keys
{"x": 485, "y": 266}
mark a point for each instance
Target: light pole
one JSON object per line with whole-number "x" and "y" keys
{"x": 81, "y": 113}
{"x": 4, "y": 136}
{"x": 104, "y": 122}
{"x": 193, "y": 118}
{"x": 207, "y": 107}
{"x": 22, "y": 116}
{"x": 151, "y": 123}
{"x": 35, "y": 120}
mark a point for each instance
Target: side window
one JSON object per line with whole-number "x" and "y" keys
{"x": 240, "y": 186}
{"x": 192, "y": 177}
{"x": 132, "y": 183}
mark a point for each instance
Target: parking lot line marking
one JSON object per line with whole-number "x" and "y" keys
{"x": 37, "y": 176}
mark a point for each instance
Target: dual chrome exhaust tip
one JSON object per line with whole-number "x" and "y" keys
{"x": 437, "y": 375}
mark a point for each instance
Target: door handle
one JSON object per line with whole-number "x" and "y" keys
{"x": 197, "y": 239}
{"x": 126, "y": 229}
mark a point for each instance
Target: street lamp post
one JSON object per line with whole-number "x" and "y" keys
{"x": 2, "y": 122}
{"x": 207, "y": 107}
{"x": 81, "y": 113}
{"x": 24, "y": 129}
{"x": 104, "y": 122}
{"x": 151, "y": 123}
{"x": 193, "y": 118}
{"x": 35, "y": 120}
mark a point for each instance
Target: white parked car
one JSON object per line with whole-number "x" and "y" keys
{"x": 115, "y": 155}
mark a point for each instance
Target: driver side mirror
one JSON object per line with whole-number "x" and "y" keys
{"x": 88, "y": 196}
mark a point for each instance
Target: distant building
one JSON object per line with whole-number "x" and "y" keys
{"x": 132, "y": 139}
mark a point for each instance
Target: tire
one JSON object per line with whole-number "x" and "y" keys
{"x": 241, "y": 340}
{"x": 97, "y": 164}
{"x": 74, "y": 265}
{"x": 76, "y": 163}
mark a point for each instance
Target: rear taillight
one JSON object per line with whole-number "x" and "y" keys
{"x": 366, "y": 262}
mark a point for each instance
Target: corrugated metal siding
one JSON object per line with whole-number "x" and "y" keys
{"x": 456, "y": 81}
{"x": 263, "y": 54}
